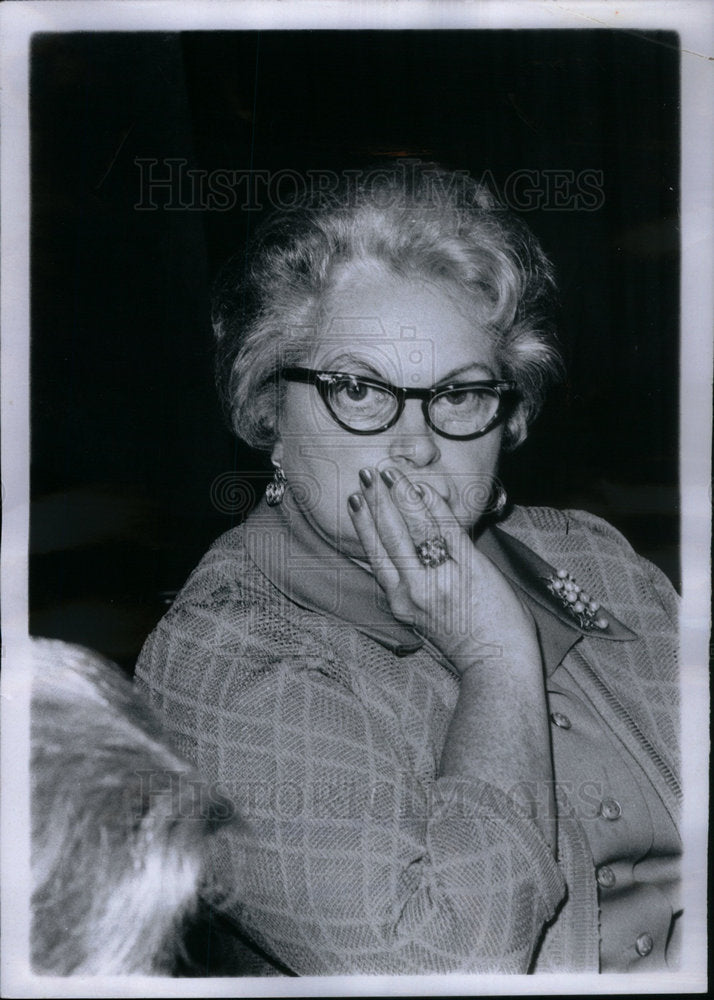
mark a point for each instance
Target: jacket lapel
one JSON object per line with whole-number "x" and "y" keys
{"x": 558, "y": 629}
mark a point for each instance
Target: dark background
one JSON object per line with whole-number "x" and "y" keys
{"x": 133, "y": 470}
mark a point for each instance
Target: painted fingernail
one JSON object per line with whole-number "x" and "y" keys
{"x": 355, "y": 501}
{"x": 388, "y": 477}
{"x": 366, "y": 477}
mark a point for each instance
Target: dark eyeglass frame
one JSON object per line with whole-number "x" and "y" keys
{"x": 323, "y": 380}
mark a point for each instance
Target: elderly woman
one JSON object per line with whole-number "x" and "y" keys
{"x": 453, "y": 727}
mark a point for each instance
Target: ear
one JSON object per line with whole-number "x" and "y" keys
{"x": 516, "y": 429}
{"x": 276, "y": 455}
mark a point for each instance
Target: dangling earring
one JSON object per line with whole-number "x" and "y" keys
{"x": 275, "y": 490}
{"x": 499, "y": 499}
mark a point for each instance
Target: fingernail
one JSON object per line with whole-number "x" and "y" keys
{"x": 355, "y": 501}
{"x": 366, "y": 476}
{"x": 388, "y": 477}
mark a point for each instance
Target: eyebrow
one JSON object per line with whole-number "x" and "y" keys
{"x": 344, "y": 360}
{"x": 466, "y": 368}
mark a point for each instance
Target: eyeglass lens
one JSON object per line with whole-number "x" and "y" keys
{"x": 363, "y": 406}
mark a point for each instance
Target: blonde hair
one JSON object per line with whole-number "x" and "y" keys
{"x": 414, "y": 219}
{"x": 121, "y": 826}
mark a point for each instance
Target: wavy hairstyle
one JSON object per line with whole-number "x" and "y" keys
{"x": 413, "y": 219}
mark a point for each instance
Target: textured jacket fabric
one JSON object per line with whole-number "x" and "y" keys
{"x": 357, "y": 857}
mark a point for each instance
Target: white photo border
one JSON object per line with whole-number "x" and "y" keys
{"x": 694, "y": 23}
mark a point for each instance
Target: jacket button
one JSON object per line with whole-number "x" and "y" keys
{"x": 644, "y": 945}
{"x": 561, "y": 721}
{"x": 610, "y": 809}
{"x": 606, "y": 877}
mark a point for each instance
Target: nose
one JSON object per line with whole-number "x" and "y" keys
{"x": 412, "y": 440}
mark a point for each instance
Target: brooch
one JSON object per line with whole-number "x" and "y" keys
{"x": 578, "y": 603}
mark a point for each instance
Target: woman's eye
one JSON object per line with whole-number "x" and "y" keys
{"x": 356, "y": 391}
{"x": 458, "y": 397}
{"x": 462, "y": 404}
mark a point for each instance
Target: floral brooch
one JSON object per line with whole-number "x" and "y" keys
{"x": 580, "y": 605}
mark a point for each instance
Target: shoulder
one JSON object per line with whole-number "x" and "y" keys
{"x": 597, "y": 554}
{"x": 224, "y": 567}
{"x": 558, "y": 535}
{"x": 229, "y": 625}
{"x": 547, "y": 526}
{"x": 226, "y": 598}
{"x": 234, "y": 655}
{"x": 227, "y": 588}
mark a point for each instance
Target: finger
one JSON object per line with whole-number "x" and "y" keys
{"x": 444, "y": 520}
{"x": 408, "y": 498}
{"x": 386, "y": 573}
{"x": 391, "y": 526}
{"x": 382, "y": 566}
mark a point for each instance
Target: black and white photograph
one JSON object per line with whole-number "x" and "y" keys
{"x": 356, "y": 453}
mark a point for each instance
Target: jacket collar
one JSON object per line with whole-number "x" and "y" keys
{"x": 313, "y": 574}
{"x": 558, "y": 630}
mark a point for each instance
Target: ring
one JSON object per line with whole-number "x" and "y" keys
{"x": 433, "y": 552}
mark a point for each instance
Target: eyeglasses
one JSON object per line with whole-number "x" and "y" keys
{"x": 363, "y": 405}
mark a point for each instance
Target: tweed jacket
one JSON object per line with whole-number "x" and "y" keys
{"x": 326, "y": 729}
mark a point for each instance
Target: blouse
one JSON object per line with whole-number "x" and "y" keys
{"x": 282, "y": 675}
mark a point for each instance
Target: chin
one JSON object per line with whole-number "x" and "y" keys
{"x": 340, "y": 537}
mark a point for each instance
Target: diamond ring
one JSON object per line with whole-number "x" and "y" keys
{"x": 433, "y": 552}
